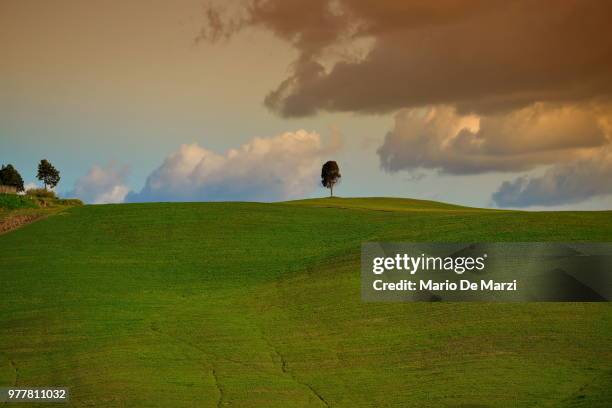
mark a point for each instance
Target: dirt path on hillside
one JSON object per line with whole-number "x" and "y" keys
{"x": 15, "y": 221}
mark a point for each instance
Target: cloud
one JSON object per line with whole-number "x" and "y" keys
{"x": 479, "y": 56}
{"x": 30, "y": 186}
{"x": 264, "y": 169}
{"x": 567, "y": 183}
{"x": 440, "y": 138}
{"x": 102, "y": 185}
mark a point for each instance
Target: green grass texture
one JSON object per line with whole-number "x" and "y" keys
{"x": 14, "y": 201}
{"x": 258, "y": 305}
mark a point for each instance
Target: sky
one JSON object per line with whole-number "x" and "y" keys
{"x": 482, "y": 103}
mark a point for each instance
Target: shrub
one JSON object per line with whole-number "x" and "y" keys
{"x": 13, "y": 201}
{"x": 41, "y": 192}
{"x": 70, "y": 201}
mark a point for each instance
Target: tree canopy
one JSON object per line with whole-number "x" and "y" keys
{"x": 48, "y": 174}
{"x": 9, "y": 176}
{"x": 330, "y": 175}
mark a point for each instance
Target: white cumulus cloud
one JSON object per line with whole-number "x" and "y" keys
{"x": 264, "y": 169}
{"x": 102, "y": 185}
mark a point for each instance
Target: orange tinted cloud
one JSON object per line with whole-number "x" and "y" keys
{"x": 440, "y": 138}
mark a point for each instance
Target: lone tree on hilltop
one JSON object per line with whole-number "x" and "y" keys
{"x": 330, "y": 175}
{"x": 48, "y": 174}
{"x": 9, "y": 176}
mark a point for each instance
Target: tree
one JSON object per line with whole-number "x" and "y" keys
{"x": 330, "y": 175}
{"x": 9, "y": 176}
{"x": 48, "y": 174}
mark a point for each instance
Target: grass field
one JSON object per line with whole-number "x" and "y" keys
{"x": 258, "y": 305}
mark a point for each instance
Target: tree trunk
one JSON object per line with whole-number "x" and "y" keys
{"x": 331, "y": 191}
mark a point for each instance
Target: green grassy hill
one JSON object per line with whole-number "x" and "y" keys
{"x": 258, "y": 305}
{"x": 380, "y": 203}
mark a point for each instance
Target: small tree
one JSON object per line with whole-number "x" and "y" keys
{"x": 48, "y": 174}
{"x": 330, "y": 175}
{"x": 9, "y": 176}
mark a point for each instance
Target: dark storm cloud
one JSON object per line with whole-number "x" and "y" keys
{"x": 479, "y": 56}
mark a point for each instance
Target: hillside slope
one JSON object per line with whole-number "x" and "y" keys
{"x": 381, "y": 204}
{"x": 248, "y": 304}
